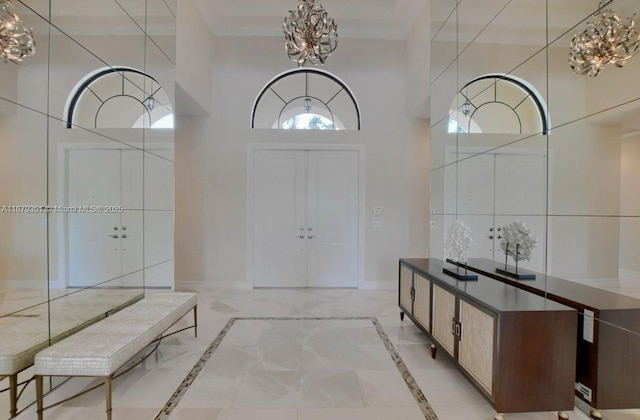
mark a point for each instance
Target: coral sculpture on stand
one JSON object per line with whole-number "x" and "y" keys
{"x": 458, "y": 243}
{"x": 456, "y": 250}
{"x": 518, "y": 242}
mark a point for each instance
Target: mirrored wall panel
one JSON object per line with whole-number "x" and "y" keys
{"x": 535, "y": 145}
{"x": 86, "y": 159}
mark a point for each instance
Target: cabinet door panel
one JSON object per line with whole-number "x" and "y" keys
{"x": 444, "y": 310}
{"x": 422, "y": 303}
{"x": 406, "y": 280}
{"x": 475, "y": 351}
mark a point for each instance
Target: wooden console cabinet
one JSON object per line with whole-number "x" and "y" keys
{"x": 515, "y": 347}
{"x": 608, "y": 359}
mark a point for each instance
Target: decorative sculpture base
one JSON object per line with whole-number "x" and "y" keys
{"x": 516, "y": 275}
{"x": 460, "y": 276}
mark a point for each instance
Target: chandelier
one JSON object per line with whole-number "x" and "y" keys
{"x": 16, "y": 40}
{"x": 606, "y": 40}
{"x": 310, "y": 34}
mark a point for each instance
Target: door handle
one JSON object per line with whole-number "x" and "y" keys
{"x": 311, "y": 236}
{"x": 124, "y": 236}
{"x": 114, "y": 236}
{"x": 490, "y": 236}
{"x": 301, "y": 236}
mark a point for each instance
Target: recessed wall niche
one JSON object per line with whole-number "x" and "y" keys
{"x": 574, "y": 185}
{"x": 86, "y": 212}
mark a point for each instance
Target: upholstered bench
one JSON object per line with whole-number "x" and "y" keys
{"x": 103, "y": 348}
{"x": 35, "y": 334}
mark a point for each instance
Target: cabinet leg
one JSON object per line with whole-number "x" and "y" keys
{"x": 595, "y": 414}
{"x": 562, "y": 415}
{"x": 434, "y": 351}
{"x": 401, "y": 316}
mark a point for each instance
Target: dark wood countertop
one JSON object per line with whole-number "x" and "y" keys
{"x": 558, "y": 289}
{"x": 488, "y": 292}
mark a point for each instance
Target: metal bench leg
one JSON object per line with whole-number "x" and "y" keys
{"x": 108, "y": 384}
{"x": 40, "y": 396}
{"x": 195, "y": 319}
{"x": 13, "y": 394}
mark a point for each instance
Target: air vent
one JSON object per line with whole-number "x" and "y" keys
{"x": 584, "y": 390}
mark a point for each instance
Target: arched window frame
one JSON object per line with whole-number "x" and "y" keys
{"x": 83, "y": 85}
{"x": 531, "y": 92}
{"x": 306, "y": 71}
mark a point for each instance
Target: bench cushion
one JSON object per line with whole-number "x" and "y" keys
{"x": 102, "y": 348}
{"x": 69, "y": 315}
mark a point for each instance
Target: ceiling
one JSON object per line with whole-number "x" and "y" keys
{"x": 378, "y": 19}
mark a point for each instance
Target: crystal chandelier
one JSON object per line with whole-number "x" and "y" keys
{"x": 16, "y": 40}
{"x": 606, "y": 40}
{"x": 310, "y": 34}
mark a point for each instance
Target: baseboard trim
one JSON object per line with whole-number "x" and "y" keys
{"x": 237, "y": 285}
{"x": 212, "y": 285}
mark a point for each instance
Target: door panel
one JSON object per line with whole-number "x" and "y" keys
{"x": 332, "y": 233}
{"x": 520, "y": 184}
{"x": 279, "y": 214}
{"x": 305, "y": 218}
{"x": 93, "y": 256}
{"x": 475, "y": 184}
{"x": 406, "y": 281}
{"x": 115, "y": 178}
{"x": 494, "y": 189}
{"x": 422, "y": 304}
{"x": 482, "y": 246}
{"x": 444, "y": 312}
{"x": 475, "y": 351}
{"x": 131, "y": 220}
{"x": 521, "y": 195}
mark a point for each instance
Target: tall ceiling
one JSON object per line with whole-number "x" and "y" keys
{"x": 379, "y": 19}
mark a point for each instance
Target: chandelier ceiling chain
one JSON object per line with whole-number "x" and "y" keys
{"x": 310, "y": 34}
{"x": 607, "y": 39}
{"x": 16, "y": 40}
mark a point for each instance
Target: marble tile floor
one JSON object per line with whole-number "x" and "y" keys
{"x": 284, "y": 369}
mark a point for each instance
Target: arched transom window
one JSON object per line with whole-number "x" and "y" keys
{"x": 306, "y": 98}
{"x": 498, "y": 104}
{"x": 119, "y": 97}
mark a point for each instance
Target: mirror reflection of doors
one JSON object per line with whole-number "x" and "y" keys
{"x": 305, "y": 218}
{"x": 105, "y": 248}
{"x": 494, "y": 189}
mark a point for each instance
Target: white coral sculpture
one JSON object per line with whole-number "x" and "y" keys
{"x": 514, "y": 234}
{"x": 458, "y": 243}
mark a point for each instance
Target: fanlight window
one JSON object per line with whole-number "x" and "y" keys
{"x": 306, "y": 99}
{"x": 119, "y": 97}
{"x": 498, "y": 104}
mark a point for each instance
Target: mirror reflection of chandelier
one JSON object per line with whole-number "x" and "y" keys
{"x": 606, "y": 40}
{"x": 310, "y": 34}
{"x": 16, "y": 40}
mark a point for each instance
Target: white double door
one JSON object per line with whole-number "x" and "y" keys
{"x": 109, "y": 248}
{"x": 305, "y": 218}
{"x": 495, "y": 189}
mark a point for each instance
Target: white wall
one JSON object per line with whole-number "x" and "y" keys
{"x": 211, "y": 154}
{"x": 419, "y": 66}
{"x": 193, "y": 61}
{"x": 630, "y": 205}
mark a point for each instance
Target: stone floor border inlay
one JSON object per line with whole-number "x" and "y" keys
{"x": 413, "y": 386}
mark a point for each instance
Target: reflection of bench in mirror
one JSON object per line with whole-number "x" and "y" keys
{"x": 30, "y": 332}
{"x": 608, "y": 336}
{"x": 105, "y": 347}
